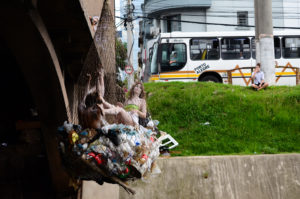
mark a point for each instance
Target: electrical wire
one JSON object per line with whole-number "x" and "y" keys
{"x": 120, "y": 23}
{"x": 234, "y": 16}
{"x": 215, "y": 6}
{"x": 206, "y": 23}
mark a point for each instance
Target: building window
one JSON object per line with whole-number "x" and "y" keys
{"x": 173, "y": 23}
{"x": 242, "y": 18}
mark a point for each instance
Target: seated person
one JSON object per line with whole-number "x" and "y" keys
{"x": 136, "y": 103}
{"x": 93, "y": 109}
{"x": 89, "y": 114}
{"x": 241, "y": 55}
{"x": 173, "y": 59}
{"x": 258, "y": 77}
{"x": 135, "y": 107}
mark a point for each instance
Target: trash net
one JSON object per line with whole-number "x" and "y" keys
{"x": 114, "y": 153}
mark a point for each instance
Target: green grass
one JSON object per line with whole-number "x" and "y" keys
{"x": 242, "y": 121}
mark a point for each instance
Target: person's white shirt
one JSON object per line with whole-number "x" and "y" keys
{"x": 259, "y": 76}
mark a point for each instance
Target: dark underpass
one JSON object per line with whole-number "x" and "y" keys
{"x": 24, "y": 171}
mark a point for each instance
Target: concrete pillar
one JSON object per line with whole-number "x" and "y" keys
{"x": 266, "y": 40}
{"x": 256, "y": 2}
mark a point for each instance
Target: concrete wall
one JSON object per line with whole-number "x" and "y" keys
{"x": 199, "y": 16}
{"x": 158, "y": 6}
{"x": 91, "y": 190}
{"x": 227, "y": 11}
{"x": 217, "y": 177}
{"x": 220, "y": 177}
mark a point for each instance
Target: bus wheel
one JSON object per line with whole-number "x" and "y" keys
{"x": 210, "y": 78}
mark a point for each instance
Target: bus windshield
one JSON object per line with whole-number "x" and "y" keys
{"x": 153, "y": 61}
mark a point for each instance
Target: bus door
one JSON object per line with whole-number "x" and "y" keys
{"x": 172, "y": 58}
{"x": 154, "y": 69}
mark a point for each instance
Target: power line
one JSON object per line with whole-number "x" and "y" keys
{"x": 234, "y": 16}
{"x": 216, "y": 13}
{"x": 239, "y": 5}
{"x": 251, "y": 11}
{"x": 276, "y": 15}
{"x": 120, "y": 23}
{"x": 206, "y": 23}
{"x": 164, "y": 4}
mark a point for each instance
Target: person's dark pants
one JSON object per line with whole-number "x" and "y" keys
{"x": 259, "y": 84}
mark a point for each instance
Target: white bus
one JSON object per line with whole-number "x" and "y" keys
{"x": 208, "y": 56}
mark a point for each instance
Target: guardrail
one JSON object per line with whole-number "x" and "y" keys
{"x": 296, "y": 70}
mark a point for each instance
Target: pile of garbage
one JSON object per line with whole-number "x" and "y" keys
{"x": 119, "y": 152}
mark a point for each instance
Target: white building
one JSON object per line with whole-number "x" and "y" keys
{"x": 286, "y": 13}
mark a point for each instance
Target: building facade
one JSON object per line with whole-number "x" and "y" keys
{"x": 176, "y": 15}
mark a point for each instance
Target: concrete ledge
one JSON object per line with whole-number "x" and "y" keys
{"x": 222, "y": 177}
{"x": 213, "y": 177}
{"x": 91, "y": 190}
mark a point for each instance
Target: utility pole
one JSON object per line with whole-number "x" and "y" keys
{"x": 266, "y": 39}
{"x": 256, "y": 4}
{"x": 129, "y": 17}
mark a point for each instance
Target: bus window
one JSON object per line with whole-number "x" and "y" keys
{"x": 205, "y": 49}
{"x": 291, "y": 47}
{"x": 235, "y": 48}
{"x": 253, "y": 48}
{"x": 277, "y": 49}
{"x": 153, "y": 60}
{"x": 173, "y": 57}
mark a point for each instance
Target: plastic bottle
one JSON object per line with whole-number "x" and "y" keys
{"x": 125, "y": 173}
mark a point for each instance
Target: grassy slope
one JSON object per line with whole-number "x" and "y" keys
{"x": 242, "y": 121}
